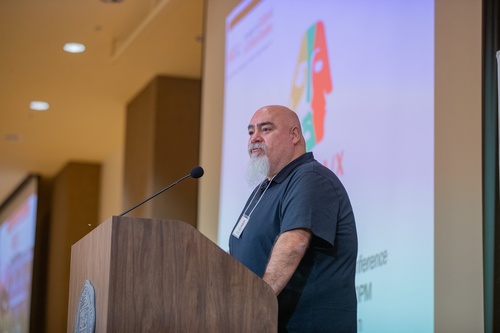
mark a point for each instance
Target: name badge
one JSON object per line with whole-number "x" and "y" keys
{"x": 242, "y": 223}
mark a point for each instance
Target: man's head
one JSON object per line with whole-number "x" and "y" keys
{"x": 275, "y": 139}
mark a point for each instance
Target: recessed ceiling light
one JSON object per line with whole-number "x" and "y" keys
{"x": 74, "y": 47}
{"x": 39, "y": 105}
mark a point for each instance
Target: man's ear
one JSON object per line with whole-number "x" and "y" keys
{"x": 296, "y": 135}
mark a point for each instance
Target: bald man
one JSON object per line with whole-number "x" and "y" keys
{"x": 297, "y": 229}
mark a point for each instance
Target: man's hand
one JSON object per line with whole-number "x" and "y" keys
{"x": 286, "y": 255}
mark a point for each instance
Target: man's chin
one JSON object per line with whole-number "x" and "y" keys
{"x": 257, "y": 154}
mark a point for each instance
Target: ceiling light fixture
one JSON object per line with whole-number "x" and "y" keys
{"x": 74, "y": 47}
{"x": 39, "y": 105}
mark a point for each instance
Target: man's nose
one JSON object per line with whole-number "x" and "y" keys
{"x": 255, "y": 137}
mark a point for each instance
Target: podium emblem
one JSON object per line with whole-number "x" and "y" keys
{"x": 85, "y": 315}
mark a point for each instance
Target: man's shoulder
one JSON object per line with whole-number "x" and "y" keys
{"x": 305, "y": 166}
{"x": 315, "y": 167}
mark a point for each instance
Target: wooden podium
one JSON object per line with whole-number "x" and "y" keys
{"x": 152, "y": 275}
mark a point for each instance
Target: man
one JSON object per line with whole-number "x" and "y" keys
{"x": 297, "y": 229}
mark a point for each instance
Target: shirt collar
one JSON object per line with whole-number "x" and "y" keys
{"x": 283, "y": 174}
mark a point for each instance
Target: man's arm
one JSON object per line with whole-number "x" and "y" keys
{"x": 286, "y": 255}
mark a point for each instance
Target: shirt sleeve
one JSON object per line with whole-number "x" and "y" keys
{"x": 311, "y": 202}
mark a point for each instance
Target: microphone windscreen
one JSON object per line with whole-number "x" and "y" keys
{"x": 197, "y": 172}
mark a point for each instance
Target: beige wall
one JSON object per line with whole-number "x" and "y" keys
{"x": 458, "y": 188}
{"x": 111, "y": 187}
{"x": 211, "y": 116}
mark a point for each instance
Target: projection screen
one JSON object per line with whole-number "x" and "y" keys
{"x": 360, "y": 76}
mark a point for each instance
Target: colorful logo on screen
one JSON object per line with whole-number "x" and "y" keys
{"x": 312, "y": 83}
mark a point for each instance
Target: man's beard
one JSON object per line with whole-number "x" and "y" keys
{"x": 258, "y": 166}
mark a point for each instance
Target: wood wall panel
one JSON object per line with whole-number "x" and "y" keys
{"x": 161, "y": 146}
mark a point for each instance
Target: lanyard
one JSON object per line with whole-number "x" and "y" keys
{"x": 242, "y": 223}
{"x": 250, "y": 203}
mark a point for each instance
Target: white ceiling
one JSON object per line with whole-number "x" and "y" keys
{"x": 128, "y": 43}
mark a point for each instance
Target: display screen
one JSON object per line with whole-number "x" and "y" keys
{"x": 17, "y": 243}
{"x": 360, "y": 75}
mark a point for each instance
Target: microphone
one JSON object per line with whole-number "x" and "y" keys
{"x": 195, "y": 172}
